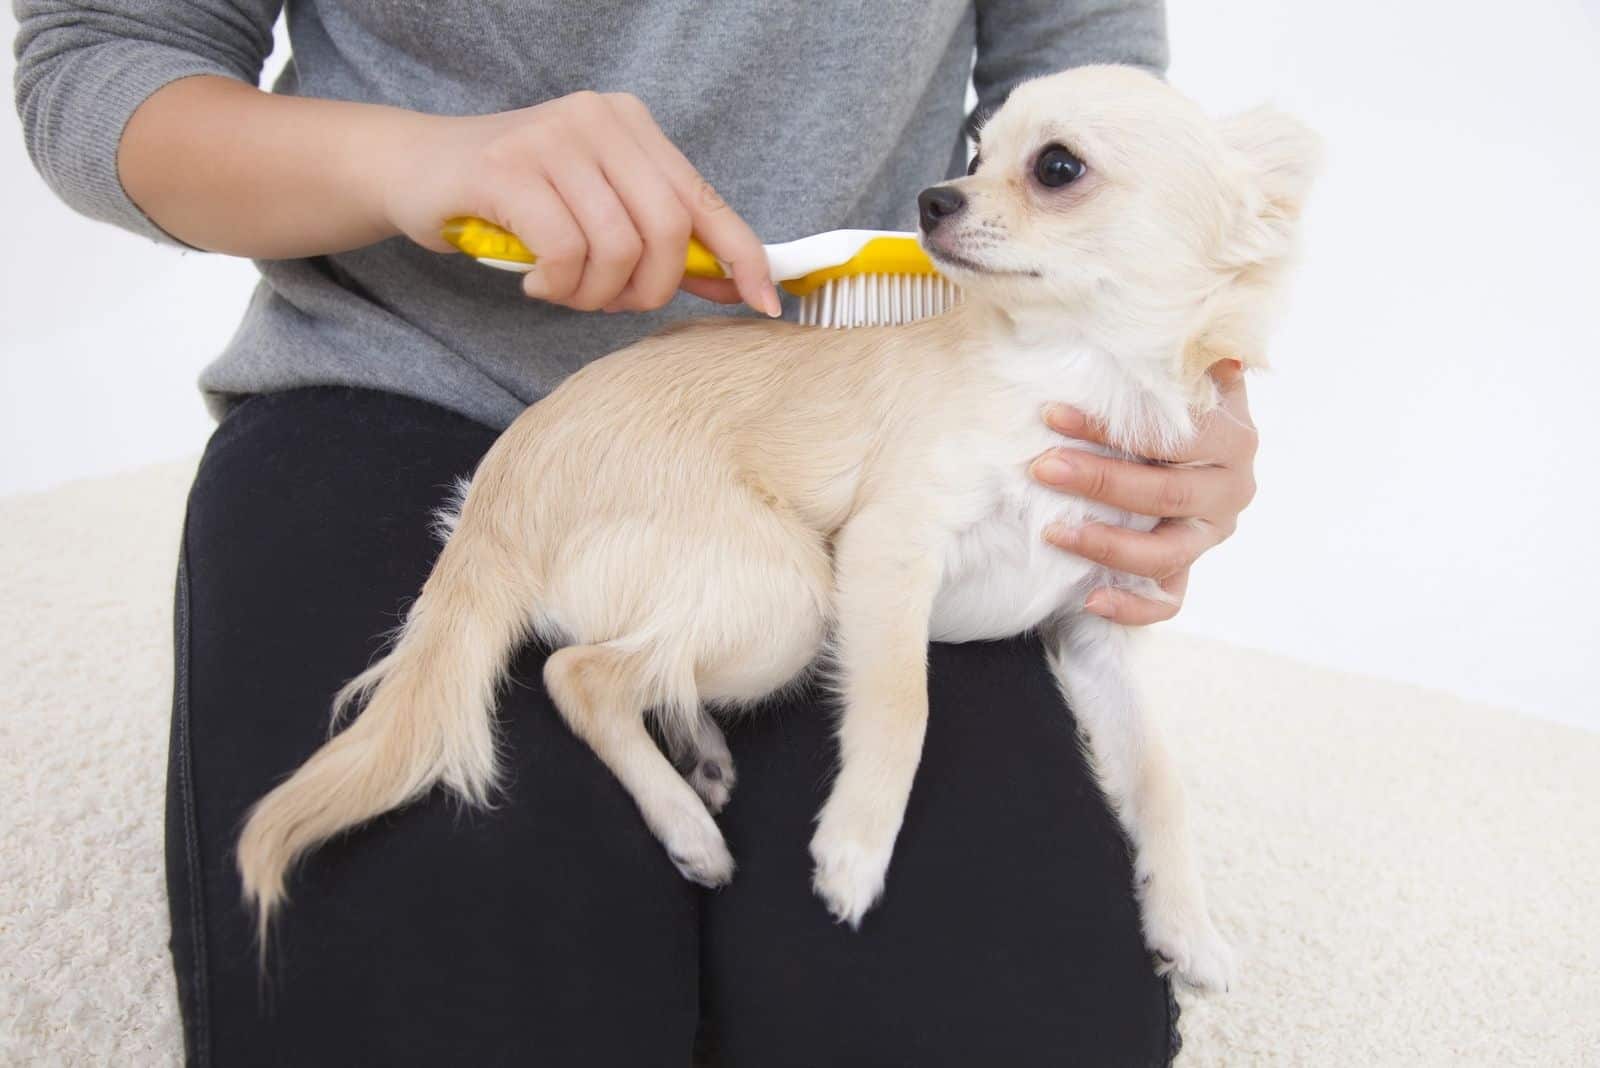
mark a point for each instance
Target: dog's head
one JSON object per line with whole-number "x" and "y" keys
{"x": 1104, "y": 195}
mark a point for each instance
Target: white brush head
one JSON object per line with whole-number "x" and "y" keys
{"x": 877, "y": 300}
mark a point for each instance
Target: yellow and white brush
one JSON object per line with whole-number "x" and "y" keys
{"x": 842, "y": 277}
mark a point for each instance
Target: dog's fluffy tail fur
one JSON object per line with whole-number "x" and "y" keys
{"x": 427, "y": 717}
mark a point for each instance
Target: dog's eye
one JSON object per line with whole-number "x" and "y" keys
{"x": 972, "y": 168}
{"x": 1057, "y": 166}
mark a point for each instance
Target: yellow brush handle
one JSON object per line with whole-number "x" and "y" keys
{"x": 484, "y": 240}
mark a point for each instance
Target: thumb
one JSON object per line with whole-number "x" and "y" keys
{"x": 1227, "y": 374}
{"x": 1235, "y": 401}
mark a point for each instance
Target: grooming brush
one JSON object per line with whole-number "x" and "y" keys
{"x": 843, "y": 277}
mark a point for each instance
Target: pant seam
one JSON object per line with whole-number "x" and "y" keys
{"x": 200, "y": 1003}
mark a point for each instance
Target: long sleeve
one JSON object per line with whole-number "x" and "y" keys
{"x": 1022, "y": 39}
{"x": 84, "y": 68}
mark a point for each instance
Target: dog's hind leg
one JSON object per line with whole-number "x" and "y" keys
{"x": 603, "y": 693}
{"x": 1089, "y": 658}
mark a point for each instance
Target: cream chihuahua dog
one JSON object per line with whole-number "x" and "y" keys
{"x": 689, "y": 521}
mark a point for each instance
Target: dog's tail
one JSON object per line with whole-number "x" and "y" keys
{"x": 428, "y": 715}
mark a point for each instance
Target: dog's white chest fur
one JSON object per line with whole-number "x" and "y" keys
{"x": 1000, "y": 576}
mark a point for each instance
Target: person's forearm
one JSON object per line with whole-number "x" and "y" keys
{"x": 226, "y": 167}
{"x": 588, "y": 180}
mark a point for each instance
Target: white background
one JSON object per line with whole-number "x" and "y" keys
{"x": 1428, "y": 508}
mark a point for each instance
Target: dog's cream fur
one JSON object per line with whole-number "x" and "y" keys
{"x": 691, "y": 519}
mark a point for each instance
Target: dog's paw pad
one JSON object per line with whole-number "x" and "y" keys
{"x": 713, "y": 779}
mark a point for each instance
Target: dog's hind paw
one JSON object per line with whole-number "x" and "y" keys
{"x": 1187, "y": 944}
{"x": 712, "y": 778}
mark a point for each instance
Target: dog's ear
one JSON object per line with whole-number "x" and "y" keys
{"x": 1283, "y": 154}
{"x": 1276, "y": 159}
{"x": 1279, "y": 159}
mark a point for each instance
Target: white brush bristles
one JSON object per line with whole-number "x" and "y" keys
{"x": 877, "y": 300}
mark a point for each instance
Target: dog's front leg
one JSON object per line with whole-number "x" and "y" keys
{"x": 1089, "y": 657}
{"x": 886, "y": 577}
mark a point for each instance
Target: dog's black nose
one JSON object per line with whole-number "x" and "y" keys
{"x": 938, "y": 203}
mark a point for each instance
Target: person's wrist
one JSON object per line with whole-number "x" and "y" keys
{"x": 382, "y": 164}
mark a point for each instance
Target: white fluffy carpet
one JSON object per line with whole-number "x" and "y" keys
{"x": 1411, "y": 880}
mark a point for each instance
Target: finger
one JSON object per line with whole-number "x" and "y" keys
{"x": 1158, "y": 554}
{"x": 1226, "y": 373}
{"x": 717, "y": 290}
{"x": 1233, "y": 411}
{"x": 657, "y": 214}
{"x": 614, "y": 243}
{"x": 541, "y": 221}
{"x": 1130, "y": 609}
{"x": 1159, "y": 492}
{"x": 732, "y": 241}
{"x": 727, "y": 235}
{"x": 1075, "y": 423}
{"x": 1223, "y": 440}
{"x": 1224, "y": 435}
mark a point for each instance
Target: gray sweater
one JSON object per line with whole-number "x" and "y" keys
{"x": 806, "y": 116}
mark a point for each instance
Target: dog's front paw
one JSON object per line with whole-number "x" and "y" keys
{"x": 852, "y": 864}
{"x": 696, "y": 846}
{"x": 1178, "y": 929}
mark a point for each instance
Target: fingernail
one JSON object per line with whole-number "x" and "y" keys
{"x": 774, "y": 305}
{"x": 1060, "y": 416}
{"x": 534, "y": 284}
{"x": 1099, "y": 604}
{"x": 1060, "y": 533}
{"x": 1052, "y": 468}
{"x": 1228, "y": 371}
{"x": 610, "y": 309}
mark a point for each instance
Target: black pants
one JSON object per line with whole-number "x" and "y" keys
{"x": 553, "y": 930}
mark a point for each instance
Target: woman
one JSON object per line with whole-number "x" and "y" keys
{"x": 370, "y": 371}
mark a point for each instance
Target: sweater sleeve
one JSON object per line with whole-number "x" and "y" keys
{"x": 1022, "y": 39}
{"x": 83, "y": 68}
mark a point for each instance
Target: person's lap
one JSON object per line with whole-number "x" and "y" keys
{"x": 554, "y": 929}
{"x": 1008, "y": 933}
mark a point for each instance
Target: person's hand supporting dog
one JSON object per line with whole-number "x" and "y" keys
{"x": 1198, "y": 491}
